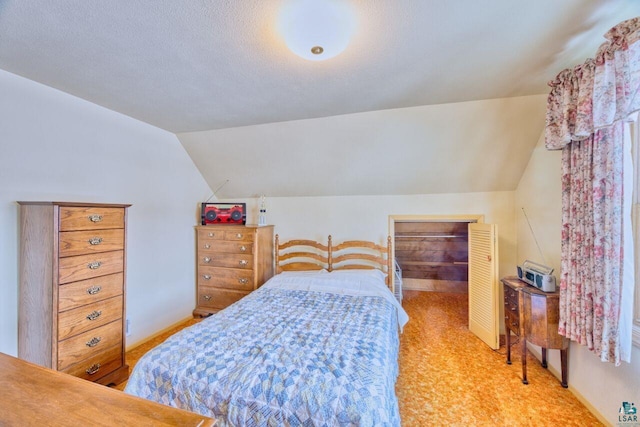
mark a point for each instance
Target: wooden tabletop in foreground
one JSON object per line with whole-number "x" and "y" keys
{"x": 34, "y": 395}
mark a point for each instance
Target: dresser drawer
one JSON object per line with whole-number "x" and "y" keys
{"x": 87, "y": 317}
{"x": 87, "y": 242}
{"x": 228, "y": 278}
{"x": 88, "y": 291}
{"x": 83, "y": 267}
{"x": 238, "y": 235}
{"x": 218, "y": 298}
{"x": 210, "y": 234}
{"x": 220, "y": 233}
{"x": 510, "y": 294}
{"x": 225, "y": 246}
{"x": 226, "y": 260}
{"x": 511, "y": 306}
{"x": 90, "y": 218}
{"x": 98, "y": 365}
{"x": 512, "y": 321}
{"x": 83, "y": 346}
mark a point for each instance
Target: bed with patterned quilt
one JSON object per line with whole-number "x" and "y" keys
{"x": 317, "y": 345}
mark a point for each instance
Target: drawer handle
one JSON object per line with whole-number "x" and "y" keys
{"x": 206, "y": 276}
{"x": 514, "y": 308}
{"x": 207, "y": 259}
{"x": 207, "y": 246}
{"x": 94, "y": 315}
{"x": 94, "y": 290}
{"x": 514, "y": 324}
{"x": 212, "y": 234}
{"x": 243, "y": 248}
{"x": 95, "y": 241}
{"x": 243, "y": 281}
{"x": 93, "y": 369}
{"x": 239, "y": 235}
{"x": 207, "y": 297}
{"x": 94, "y": 265}
{"x": 95, "y": 218}
{"x": 94, "y": 341}
{"x": 243, "y": 262}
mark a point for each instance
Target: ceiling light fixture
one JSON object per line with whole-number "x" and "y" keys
{"x": 317, "y": 29}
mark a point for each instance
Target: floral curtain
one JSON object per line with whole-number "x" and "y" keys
{"x": 586, "y": 110}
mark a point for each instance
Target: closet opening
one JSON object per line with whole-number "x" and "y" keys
{"x": 431, "y": 252}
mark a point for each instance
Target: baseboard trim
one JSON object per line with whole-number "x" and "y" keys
{"x": 573, "y": 391}
{"x": 430, "y": 285}
{"x": 130, "y": 347}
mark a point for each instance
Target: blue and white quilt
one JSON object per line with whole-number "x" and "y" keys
{"x": 303, "y": 350}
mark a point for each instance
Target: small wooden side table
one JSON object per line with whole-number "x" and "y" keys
{"x": 533, "y": 315}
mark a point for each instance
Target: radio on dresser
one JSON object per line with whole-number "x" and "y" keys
{"x": 224, "y": 213}
{"x": 537, "y": 275}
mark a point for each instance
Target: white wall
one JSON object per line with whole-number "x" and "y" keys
{"x": 54, "y": 146}
{"x": 462, "y": 147}
{"x": 367, "y": 217}
{"x": 602, "y": 386}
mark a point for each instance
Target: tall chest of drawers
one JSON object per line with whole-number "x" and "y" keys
{"x": 72, "y": 288}
{"x": 233, "y": 260}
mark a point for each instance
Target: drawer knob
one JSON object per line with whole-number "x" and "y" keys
{"x": 94, "y": 315}
{"x": 207, "y": 246}
{"x": 243, "y": 248}
{"x": 239, "y": 235}
{"x": 243, "y": 281}
{"x": 93, "y": 342}
{"x": 514, "y": 308}
{"x": 207, "y": 259}
{"x": 95, "y": 241}
{"x": 207, "y": 297}
{"x": 514, "y": 324}
{"x": 94, "y": 290}
{"x": 243, "y": 262}
{"x": 206, "y": 276}
{"x": 95, "y": 218}
{"x": 93, "y": 369}
{"x": 212, "y": 234}
{"x": 94, "y": 265}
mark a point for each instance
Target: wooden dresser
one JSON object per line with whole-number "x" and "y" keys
{"x": 233, "y": 260}
{"x": 533, "y": 316}
{"x": 72, "y": 288}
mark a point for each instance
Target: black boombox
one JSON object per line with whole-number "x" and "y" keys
{"x": 224, "y": 213}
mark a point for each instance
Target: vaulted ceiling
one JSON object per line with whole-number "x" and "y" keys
{"x": 218, "y": 74}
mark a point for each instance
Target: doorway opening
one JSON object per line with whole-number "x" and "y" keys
{"x": 431, "y": 251}
{"x": 432, "y": 248}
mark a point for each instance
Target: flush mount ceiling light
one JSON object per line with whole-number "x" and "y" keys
{"x": 317, "y": 29}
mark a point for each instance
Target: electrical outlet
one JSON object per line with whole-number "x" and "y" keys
{"x": 128, "y": 327}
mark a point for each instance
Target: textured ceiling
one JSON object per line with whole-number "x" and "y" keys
{"x": 430, "y": 96}
{"x": 210, "y": 64}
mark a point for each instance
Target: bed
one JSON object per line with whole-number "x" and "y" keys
{"x": 317, "y": 345}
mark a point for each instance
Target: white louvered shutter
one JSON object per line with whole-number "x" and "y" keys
{"x": 484, "y": 309}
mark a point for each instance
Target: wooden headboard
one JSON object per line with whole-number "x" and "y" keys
{"x": 300, "y": 255}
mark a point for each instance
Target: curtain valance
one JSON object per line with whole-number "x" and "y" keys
{"x": 597, "y": 93}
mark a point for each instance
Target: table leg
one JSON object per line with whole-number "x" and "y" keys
{"x": 524, "y": 359}
{"x": 507, "y": 341}
{"x": 563, "y": 362}
{"x": 544, "y": 358}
